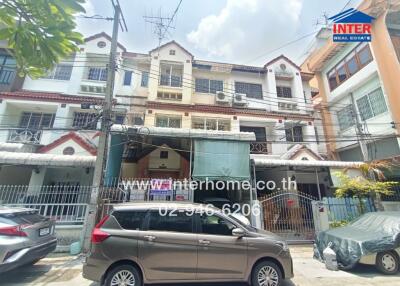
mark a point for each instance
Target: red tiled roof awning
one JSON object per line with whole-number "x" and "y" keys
{"x": 70, "y": 136}
{"x": 50, "y": 97}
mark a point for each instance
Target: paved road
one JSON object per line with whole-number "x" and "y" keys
{"x": 66, "y": 271}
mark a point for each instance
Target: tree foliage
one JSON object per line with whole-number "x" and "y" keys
{"x": 375, "y": 169}
{"x": 361, "y": 187}
{"x": 40, "y": 32}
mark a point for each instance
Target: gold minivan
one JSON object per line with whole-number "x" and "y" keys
{"x": 155, "y": 243}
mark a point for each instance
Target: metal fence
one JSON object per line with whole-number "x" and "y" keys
{"x": 136, "y": 190}
{"x": 347, "y": 209}
{"x": 66, "y": 204}
{"x": 395, "y": 197}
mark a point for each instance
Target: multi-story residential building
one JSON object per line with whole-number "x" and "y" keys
{"x": 167, "y": 87}
{"x": 358, "y": 89}
{"x": 176, "y": 117}
{"x": 187, "y": 96}
{"x": 50, "y": 124}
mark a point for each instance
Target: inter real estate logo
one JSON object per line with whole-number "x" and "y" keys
{"x": 352, "y": 26}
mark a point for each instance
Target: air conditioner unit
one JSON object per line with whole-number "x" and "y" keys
{"x": 240, "y": 99}
{"x": 221, "y": 97}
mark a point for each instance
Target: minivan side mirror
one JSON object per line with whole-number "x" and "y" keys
{"x": 238, "y": 232}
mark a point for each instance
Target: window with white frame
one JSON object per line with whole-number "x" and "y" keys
{"x": 211, "y": 124}
{"x": 97, "y": 74}
{"x": 284, "y": 91}
{"x": 128, "y": 78}
{"x": 8, "y": 67}
{"x": 171, "y": 75}
{"x": 145, "y": 79}
{"x": 346, "y": 117}
{"x": 252, "y": 90}
{"x": 138, "y": 119}
{"x": 350, "y": 65}
{"x": 33, "y": 120}
{"x": 62, "y": 71}
{"x": 294, "y": 134}
{"x": 85, "y": 120}
{"x": 168, "y": 121}
{"x": 204, "y": 85}
{"x": 372, "y": 104}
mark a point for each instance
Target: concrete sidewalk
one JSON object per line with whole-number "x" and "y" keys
{"x": 67, "y": 271}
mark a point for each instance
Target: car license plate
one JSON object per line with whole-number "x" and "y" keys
{"x": 44, "y": 231}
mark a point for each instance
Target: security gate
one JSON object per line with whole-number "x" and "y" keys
{"x": 290, "y": 215}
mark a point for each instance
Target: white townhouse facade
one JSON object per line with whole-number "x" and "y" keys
{"x": 176, "y": 117}
{"x": 273, "y": 101}
{"x": 167, "y": 88}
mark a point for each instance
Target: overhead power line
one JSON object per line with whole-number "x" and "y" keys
{"x": 162, "y": 25}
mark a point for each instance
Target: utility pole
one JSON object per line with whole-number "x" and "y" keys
{"x": 360, "y": 131}
{"x": 102, "y": 150}
{"x": 364, "y": 150}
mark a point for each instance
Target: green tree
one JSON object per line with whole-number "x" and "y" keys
{"x": 40, "y": 32}
{"x": 360, "y": 187}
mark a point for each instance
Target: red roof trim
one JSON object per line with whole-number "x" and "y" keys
{"x": 50, "y": 97}
{"x": 224, "y": 110}
{"x": 311, "y": 152}
{"x": 172, "y": 42}
{"x": 70, "y": 136}
{"x": 282, "y": 57}
{"x": 105, "y": 35}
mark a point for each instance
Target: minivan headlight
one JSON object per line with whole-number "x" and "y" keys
{"x": 283, "y": 244}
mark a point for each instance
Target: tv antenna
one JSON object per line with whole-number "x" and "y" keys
{"x": 162, "y": 24}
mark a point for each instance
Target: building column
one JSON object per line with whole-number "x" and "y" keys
{"x": 3, "y": 119}
{"x": 388, "y": 65}
{"x": 78, "y": 72}
{"x": 309, "y": 135}
{"x": 186, "y": 121}
{"x": 326, "y": 117}
{"x": 271, "y": 91}
{"x": 279, "y": 148}
{"x": 298, "y": 92}
{"x": 37, "y": 180}
{"x": 63, "y": 117}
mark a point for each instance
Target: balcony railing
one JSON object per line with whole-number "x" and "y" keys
{"x": 25, "y": 136}
{"x": 173, "y": 81}
{"x": 260, "y": 148}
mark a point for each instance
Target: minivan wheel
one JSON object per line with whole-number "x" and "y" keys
{"x": 387, "y": 262}
{"x": 123, "y": 275}
{"x": 266, "y": 273}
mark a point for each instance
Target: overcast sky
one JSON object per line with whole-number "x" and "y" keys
{"x": 237, "y": 31}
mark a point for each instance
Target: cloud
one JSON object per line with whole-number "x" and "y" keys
{"x": 245, "y": 28}
{"x": 89, "y": 7}
{"x": 86, "y": 25}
